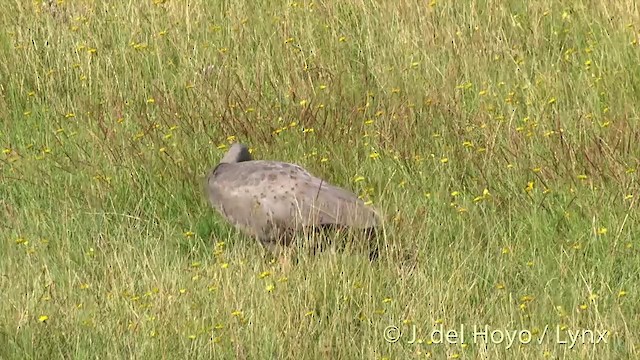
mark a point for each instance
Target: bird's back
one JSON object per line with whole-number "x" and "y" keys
{"x": 259, "y": 195}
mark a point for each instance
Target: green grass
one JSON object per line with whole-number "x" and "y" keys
{"x": 499, "y": 139}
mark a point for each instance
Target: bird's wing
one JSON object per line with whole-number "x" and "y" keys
{"x": 316, "y": 202}
{"x": 295, "y": 198}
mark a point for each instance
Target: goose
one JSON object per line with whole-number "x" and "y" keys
{"x": 275, "y": 201}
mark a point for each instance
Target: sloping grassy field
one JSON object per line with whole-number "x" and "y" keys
{"x": 499, "y": 139}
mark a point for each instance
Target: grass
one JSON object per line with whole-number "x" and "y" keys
{"x": 499, "y": 139}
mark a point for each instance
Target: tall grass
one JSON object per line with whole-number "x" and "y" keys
{"x": 498, "y": 137}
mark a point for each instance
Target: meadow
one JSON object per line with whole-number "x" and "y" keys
{"x": 499, "y": 139}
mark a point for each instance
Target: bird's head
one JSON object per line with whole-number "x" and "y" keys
{"x": 237, "y": 153}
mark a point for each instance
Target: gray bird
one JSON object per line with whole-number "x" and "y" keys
{"x": 275, "y": 201}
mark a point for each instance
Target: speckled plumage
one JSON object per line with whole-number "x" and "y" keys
{"x": 273, "y": 200}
